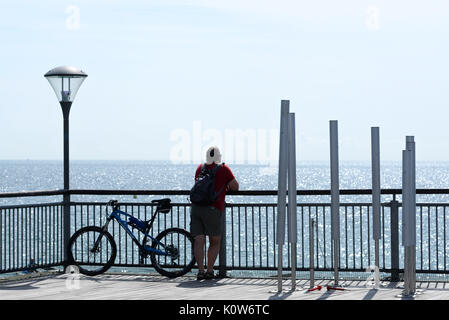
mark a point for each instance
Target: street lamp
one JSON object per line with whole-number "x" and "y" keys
{"x": 66, "y": 82}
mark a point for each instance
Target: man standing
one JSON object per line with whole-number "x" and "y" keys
{"x": 206, "y": 220}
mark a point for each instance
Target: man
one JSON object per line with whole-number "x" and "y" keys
{"x": 207, "y": 220}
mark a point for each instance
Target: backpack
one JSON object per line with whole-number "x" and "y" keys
{"x": 203, "y": 191}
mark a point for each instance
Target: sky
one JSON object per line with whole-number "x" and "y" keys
{"x": 169, "y": 78}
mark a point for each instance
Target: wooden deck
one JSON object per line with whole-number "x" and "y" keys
{"x": 143, "y": 287}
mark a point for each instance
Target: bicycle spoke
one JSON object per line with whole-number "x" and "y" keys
{"x": 178, "y": 246}
{"x": 92, "y": 250}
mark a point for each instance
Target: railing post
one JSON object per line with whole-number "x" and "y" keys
{"x": 394, "y": 229}
{"x": 222, "y": 253}
{"x": 311, "y": 252}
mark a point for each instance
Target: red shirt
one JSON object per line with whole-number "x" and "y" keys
{"x": 223, "y": 176}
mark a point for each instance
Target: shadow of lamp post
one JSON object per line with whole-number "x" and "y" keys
{"x": 66, "y": 81}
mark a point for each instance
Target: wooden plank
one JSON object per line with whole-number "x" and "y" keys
{"x": 187, "y": 288}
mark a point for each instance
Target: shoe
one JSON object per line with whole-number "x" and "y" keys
{"x": 209, "y": 275}
{"x": 201, "y": 276}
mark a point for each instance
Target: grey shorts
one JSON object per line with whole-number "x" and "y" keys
{"x": 205, "y": 221}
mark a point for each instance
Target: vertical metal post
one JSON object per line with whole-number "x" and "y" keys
{"x": 292, "y": 211}
{"x": 375, "y": 166}
{"x": 394, "y": 227}
{"x": 311, "y": 252}
{"x": 335, "y": 195}
{"x": 410, "y": 145}
{"x": 405, "y": 195}
{"x": 409, "y": 216}
{"x": 282, "y": 186}
{"x": 406, "y": 217}
{"x": 222, "y": 257}
{"x": 65, "y": 105}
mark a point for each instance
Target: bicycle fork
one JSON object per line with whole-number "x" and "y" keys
{"x": 104, "y": 229}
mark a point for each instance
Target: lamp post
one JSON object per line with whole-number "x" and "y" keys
{"x": 66, "y": 81}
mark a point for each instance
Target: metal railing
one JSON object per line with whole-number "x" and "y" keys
{"x": 30, "y": 234}
{"x": 36, "y": 231}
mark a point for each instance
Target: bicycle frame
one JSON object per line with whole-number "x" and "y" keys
{"x": 115, "y": 215}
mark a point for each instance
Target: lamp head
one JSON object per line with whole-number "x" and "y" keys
{"x": 65, "y": 81}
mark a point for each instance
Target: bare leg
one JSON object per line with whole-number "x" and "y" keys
{"x": 198, "y": 251}
{"x": 212, "y": 253}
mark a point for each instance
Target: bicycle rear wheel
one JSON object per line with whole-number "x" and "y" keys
{"x": 92, "y": 250}
{"x": 178, "y": 245}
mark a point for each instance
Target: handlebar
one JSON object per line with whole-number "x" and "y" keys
{"x": 163, "y": 205}
{"x": 113, "y": 204}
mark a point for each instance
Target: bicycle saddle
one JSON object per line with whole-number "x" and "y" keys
{"x": 163, "y": 205}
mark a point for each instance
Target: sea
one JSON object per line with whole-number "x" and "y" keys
{"x": 32, "y": 175}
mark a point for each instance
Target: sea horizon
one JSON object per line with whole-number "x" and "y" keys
{"x": 36, "y": 175}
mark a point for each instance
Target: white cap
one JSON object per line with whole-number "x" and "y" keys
{"x": 213, "y": 155}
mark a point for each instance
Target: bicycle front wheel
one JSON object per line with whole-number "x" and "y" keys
{"x": 92, "y": 250}
{"x": 178, "y": 258}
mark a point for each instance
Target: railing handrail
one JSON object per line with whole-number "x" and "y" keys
{"x": 314, "y": 192}
{"x": 31, "y": 193}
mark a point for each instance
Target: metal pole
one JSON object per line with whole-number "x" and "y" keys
{"x": 405, "y": 225}
{"x": 410, "y": 214}
{"x": 222, "y": 257}
{"x": 405, "y": 196}
{"x": 413, "y": 211}
{"x": 65, "y": 105}
{"x": 375, "y": 166}
{"x": 394, "y": 227}
{"x": 335, "y": 195}
{"x": 292, "y": 212}
{"x": 405, "y": 216}
{"x": 410, "y": 145}
{"x": 282, "y": 186}
{"x": 311, "y": 252}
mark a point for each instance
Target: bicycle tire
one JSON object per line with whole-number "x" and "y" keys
{"x": 187, "y": 255}
{"x": 103, "y": 266}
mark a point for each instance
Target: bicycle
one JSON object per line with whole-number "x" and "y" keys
{"x": 93, "y": 249}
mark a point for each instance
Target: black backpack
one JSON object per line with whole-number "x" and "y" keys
{"x": 203, "y": 191}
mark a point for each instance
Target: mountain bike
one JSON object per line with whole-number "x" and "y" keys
{"x": 93, "y": 249}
